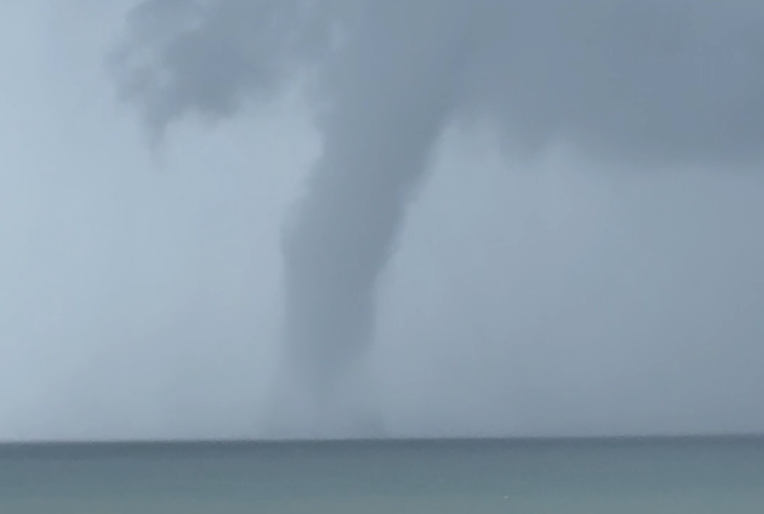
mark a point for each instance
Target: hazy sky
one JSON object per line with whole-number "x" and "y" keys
{"x": 611, "y": 283}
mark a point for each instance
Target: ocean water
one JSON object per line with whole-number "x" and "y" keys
{"x": 470, "y": 476}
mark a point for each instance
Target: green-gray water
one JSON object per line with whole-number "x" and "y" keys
{"x": 472, "y": 477}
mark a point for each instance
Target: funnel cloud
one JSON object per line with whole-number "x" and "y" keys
{"x": 643, "y": 84}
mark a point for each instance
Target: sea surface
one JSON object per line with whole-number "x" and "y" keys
{"x": 720, "y": 476}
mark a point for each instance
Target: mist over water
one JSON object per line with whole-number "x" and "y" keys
{"x": 438, "y": 218}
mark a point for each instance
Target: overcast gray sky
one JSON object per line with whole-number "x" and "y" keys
{"x": 609, "y": 284}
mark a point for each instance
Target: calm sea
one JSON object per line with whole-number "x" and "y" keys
{"x": 471, "y": 477}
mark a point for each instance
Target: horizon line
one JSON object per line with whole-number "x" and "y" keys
{"x": 398, "y": 439}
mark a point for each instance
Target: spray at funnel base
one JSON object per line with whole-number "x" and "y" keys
{"x": 345, "y": 410}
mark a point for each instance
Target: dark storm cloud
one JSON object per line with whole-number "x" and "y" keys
{"x": 646, "y": 78}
